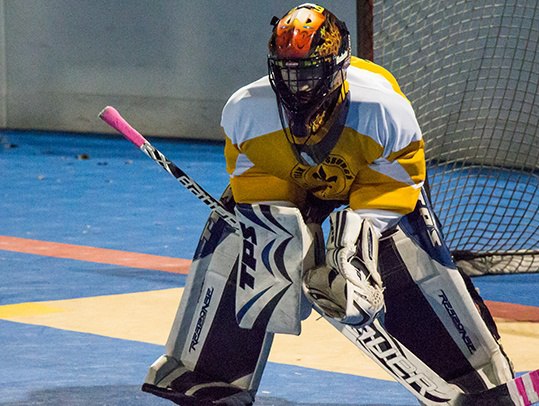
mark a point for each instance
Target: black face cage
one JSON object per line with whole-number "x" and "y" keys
{"x": 301, "y": 84}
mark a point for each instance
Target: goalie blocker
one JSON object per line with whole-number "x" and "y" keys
{"x": 431, "y": 337}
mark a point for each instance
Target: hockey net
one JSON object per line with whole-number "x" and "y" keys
{"x": 471, "y": 71}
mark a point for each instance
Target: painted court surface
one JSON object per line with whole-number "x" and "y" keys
{"x": 95, "y": 244}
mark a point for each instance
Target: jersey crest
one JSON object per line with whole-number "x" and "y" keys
{"x": 329, "y": 180}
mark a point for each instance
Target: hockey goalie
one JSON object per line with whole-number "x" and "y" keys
{"x": 326, "y": 135}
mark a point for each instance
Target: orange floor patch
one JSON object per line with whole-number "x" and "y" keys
{"x": 92, "y": 254}
{"x": 500, "y": 310}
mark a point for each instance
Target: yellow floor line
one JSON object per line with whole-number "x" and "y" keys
{"x": 148, "y": 316}
{"x": 13, "y": 311}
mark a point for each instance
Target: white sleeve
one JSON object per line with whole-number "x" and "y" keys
{"x": 380, "y": 219}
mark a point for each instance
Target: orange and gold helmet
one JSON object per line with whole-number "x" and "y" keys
{"x": 309, "y": 50}
{"x": 294, "y": 33}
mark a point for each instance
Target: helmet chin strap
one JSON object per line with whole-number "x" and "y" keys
{"x": 300, "y": 125}
{"x": 307, "y": 124}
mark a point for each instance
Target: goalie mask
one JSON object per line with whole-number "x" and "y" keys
{"x": 309, "y": 51}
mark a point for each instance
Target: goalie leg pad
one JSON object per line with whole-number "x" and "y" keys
{"x": 441, "y": 324}
{"x": 277, "y": 248}
{"x": 208, "y": 356}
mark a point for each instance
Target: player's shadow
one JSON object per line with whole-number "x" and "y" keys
{"x": 121, "y": 395}
{"x": 131, "y": 395}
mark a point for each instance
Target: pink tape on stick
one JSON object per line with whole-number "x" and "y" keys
{"x": 524, "y": 390}
{"x": 112, "y": 117}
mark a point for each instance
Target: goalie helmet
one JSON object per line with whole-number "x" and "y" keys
{"x": 309, "y": 51}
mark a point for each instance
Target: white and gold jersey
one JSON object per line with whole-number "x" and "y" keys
{"x": 378, "y": 162}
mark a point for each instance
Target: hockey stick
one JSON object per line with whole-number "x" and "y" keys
{"x": 373, "y": 340}
{"x": 425, "y": 384}
{"x": 112, "y": 117}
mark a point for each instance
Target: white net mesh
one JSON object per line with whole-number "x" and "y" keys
{"x": 471, "y": 71}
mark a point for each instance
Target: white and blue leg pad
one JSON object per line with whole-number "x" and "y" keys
{"x": 209, "y": 358}
{"x": 429, "y": 308}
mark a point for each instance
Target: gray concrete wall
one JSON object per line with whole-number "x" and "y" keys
{"x": 3, "y": 84}
{"x": 167, "y": 65}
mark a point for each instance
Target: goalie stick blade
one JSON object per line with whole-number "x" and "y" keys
{"x": 422, "y": 382}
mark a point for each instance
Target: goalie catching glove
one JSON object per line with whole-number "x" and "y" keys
{"x": 348, "y": 288}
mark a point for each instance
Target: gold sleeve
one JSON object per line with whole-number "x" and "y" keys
{"x": 256, "y": 185}
{"x": 380, "y": 189}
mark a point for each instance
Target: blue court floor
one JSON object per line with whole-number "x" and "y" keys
{"x": 77, "y": 329}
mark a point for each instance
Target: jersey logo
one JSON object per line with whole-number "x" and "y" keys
{"x": 331, "y": 179}
{"x": 321, "y": 175}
